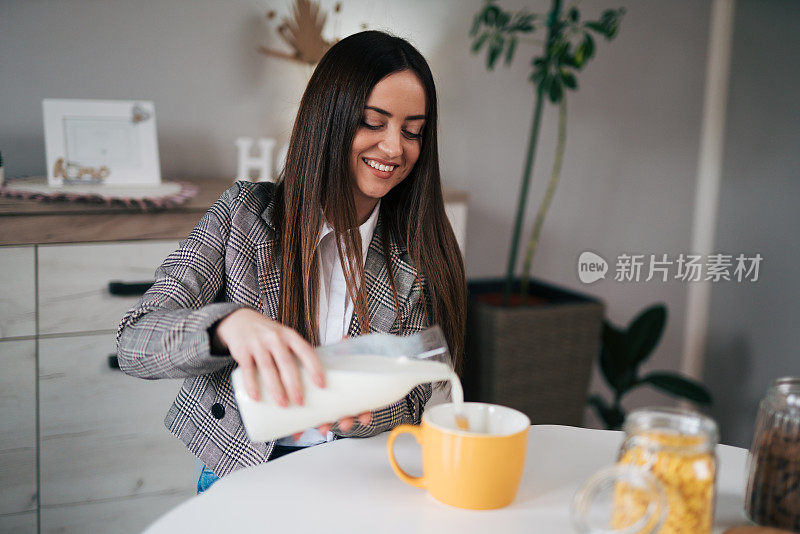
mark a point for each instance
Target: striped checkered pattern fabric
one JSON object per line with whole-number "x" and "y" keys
{"x": 228, "y": 262}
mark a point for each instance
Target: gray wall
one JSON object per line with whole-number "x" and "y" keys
{"x": 753, "y": 332}
{"x": 634, "y": 126}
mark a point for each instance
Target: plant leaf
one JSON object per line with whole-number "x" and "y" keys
{"x": 588, "y": 45}
{"x": 556, "y": 90}
{"x": 490, "y": 14}
{"x": 596, "y": 27}
{"x": 612, "y": 359}
{"x": 603, "y": 411}
{"x": 570, "y": 61}
{"x": 679, "y": 386}
{"x": 612, "y": 417}
{"x": 547, "y": 81}
{"x": 644, "y": 333}
{"x": 502, "y": 20}
{"x": 512, "y": 44}
{"x": 524, "y": 23}
{"x": 568, "y": 79}
{"x": 573, "y": 15}
{"x": 580, "y": 57}
{"x": 494, "y": 50}
{"x": 479, "y": 42}
{"x": 538, "y": 76}
{"x": 558, "y": 49}
{"x": 476, "y": 25}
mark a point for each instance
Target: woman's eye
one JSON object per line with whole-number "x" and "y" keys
{"x": 371, "y": 126}
{"x": 413, "y": 135}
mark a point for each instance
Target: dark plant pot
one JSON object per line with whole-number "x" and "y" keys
{"x": 536, "y": 358}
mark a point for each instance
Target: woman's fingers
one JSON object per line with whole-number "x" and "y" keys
{"x": 346, "y": 423}
{"x": 250, "y": 378}
{"x": 267, "y": 369}
{"x": 364, "y": 418}
{"x": 289, "y": 372}
{"x": 268, "y": 354}
{"x": 306, "y": 354}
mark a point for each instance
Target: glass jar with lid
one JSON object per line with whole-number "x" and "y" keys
{"x": 773, "y": 484}
{"x": 678, "y": 447}
{"x": 620, "y": 499}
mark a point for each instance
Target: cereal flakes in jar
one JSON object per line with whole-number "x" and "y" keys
{"x": 678, "y": 448}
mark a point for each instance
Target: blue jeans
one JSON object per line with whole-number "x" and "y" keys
{"x": 207, "y": 476}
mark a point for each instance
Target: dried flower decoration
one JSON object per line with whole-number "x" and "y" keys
{"x": 303, "y": 33}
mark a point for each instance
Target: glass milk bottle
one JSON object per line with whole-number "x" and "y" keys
{"x": 773, "y": 485}
{"x": 361, "y": 374}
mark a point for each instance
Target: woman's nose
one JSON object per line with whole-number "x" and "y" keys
{"x": 390, "y": 144}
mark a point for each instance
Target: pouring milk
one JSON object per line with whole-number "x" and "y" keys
{"x": 355, "y": 382}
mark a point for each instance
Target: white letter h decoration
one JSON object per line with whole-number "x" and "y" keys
{"x": 262, "y": 163}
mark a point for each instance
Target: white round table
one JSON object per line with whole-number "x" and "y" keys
{"x": 348, "y": 486}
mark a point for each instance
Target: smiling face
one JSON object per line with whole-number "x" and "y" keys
{"x": 387, "y": 143}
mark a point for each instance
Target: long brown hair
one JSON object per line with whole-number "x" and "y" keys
{"x": 316, "y": 179}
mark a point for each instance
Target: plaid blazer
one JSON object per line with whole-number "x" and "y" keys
{"x": 229, "y": 262}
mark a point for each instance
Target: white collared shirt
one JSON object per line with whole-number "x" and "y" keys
{"x": 335, "y": 308}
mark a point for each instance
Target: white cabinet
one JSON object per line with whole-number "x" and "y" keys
{"x": 17, "y": 428}
{"x": 73, "y": 282}
{"x": 17, "y": 296}
{"x": 105, "y": 461}
{"x": 104, "y": 429}
{"x": 113, "y": 517}
{"x": 25, "y": 522}
{"x": 18, "y": 498}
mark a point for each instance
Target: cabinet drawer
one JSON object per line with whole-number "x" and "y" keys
{"x": 18, "y": 426}
{"x": 17, "y": 299}
{"x": 25, "y": 522}
{"x": 123, "y": 516}
{"x": 101, "y": 432}
{"x": 73, "y": 282}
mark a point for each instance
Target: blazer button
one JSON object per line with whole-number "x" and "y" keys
{"x": 218, "y": 410}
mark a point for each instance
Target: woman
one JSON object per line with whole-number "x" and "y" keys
{"x": 272, "y": 270}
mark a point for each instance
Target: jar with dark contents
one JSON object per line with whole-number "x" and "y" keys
{"x": 773, "y": 485}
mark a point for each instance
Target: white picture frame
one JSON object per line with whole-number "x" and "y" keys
{"x": 101, "y": 142}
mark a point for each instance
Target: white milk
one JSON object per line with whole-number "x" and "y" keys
{"x": 353, "y": 384}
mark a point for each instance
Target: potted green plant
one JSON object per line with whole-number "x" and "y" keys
{"x": 530, "y": 344}
{"x": 624, "y": 350}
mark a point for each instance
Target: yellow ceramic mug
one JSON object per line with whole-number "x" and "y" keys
{"x": 479, "y": 469}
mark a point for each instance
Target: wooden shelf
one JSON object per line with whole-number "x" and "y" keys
{"x": 29, "y": 222}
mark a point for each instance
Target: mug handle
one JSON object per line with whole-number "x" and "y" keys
{"x": 414, "y": 430}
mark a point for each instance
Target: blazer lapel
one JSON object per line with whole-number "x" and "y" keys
{"x": 268, "y": 267}
{"x": 382, "y": 312}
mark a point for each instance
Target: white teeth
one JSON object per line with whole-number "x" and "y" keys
{"x": 378, "y": 166}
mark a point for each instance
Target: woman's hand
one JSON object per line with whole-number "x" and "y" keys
{"x": 346, "y": 423}
{"x": 267, "y": 348}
